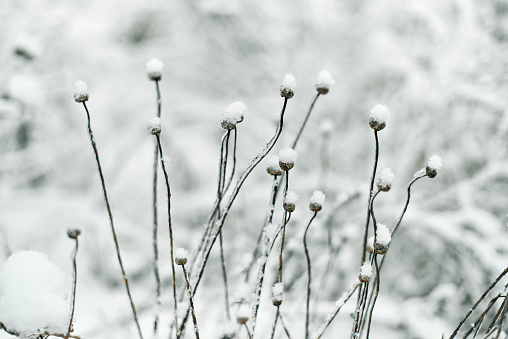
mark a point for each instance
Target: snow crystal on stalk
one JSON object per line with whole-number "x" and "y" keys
{"x": 316, "y": 201}
{"x": 33, "y": 295}
{"x": 365, "y": 272}
{"x": 154, "y": 69}
{"x": 290, "y": 200}
{"x": 378, "y": 116}
{"x": 154, "y": 125}
{"x": 242, "y": 314}
{"x": 433, "y": 166}
{"x": 277, "y": 292}
{"x": 233, "y": 115}
{"x": 382, "y": 240}
{"x": 81, "y": 91}
{"x": 385, "y": 179}
{"x": 287, "y": 158}
{"x": 272, "y": 165}
{"x": 324, "y": 82}
{"x": 181, "y": 256}
{"x": 287, "y": 89}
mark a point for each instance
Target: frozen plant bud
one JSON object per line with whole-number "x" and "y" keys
{"x": 154, "y": 125}
{"x": 81, "y": 92}
{"x": 385, "y": 180}
{"x": 154, "y": 69}
{"x": 383, "y": 238}
{"x": 287, "y": 158}
{"x": 365, "y": 272}
{"x": 378, "y": 116}
{"x": 287, "y": 89}
{"x": 324, "y": 82}
{"x": 290, "y": 201}
{"x": 233, "y": 115}
{"x": 277, "y": 291}
{"x": 73, "y": 233}
{"x": 242, "y": 314}
{"x": 272, "y": 165}
{"x": 370, "y": 245}
{"x": 181, "y": 256}
{"x": 433, "y": 166}
{"x": 316, "y": 201}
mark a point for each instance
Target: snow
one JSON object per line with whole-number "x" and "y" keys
{"x": 233, "y": 115}
{"x": 317, "y": 197}
{"x": 287, "y": 88}
{"x": 181, "y": 254}
{"x": 154, "y": 125}
{"x": 287, "y": 158}
{"x": 326, "y": 126}
{"x": 34, "y": 294}
{"x": 383, "y": 236}
{"x": 370, "y": 244}
{"x": 435, "y": 162}
{"x": 81, "y": 91}
{"x": 324, "y": 82}
{"x": 272, "y": 165}
{"x": 365, "y": 271}
{"x": 291, "y": 197}
{"x": 154, "y": 69}
{"x": 379, "y": 114}
{"x": 385, "y": 179}
{"x": 242, "y": 314}
{"x": 277, "y": 292}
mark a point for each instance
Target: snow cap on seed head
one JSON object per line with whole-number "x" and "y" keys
{"x": 154, "y": 125}
{"x": 316, "y": 201}
{"x": 378, "y": 116}
{"x": 383, "y": 239}
{"x": 433, "y": 165}
{"x": 287, "y": 89}
{"x": 370, "y": 244}
{"x": 272, "y": 165}
{"x": 277, "y": 292}
{"x": 154, "y": 69}
{"x": 385, "y": 180}
{"x": 290, "y": 200}
{"x": 81, "y": 91}
{"x": 324, "y": 82}
{"x": 242, "y": 314}
{"x": 287, "y": 158}
{"x": 233, "y": 115}
{"x": 181, "y": 256}
{"x": 365, "y": 272}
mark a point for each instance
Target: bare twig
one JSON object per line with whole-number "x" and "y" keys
{"x": 275, "y": 322}
{"x": 309, "y": 276}
{"x": 73, "y": 234}
{"x": 305, "y": 121}
{"x": 191, "y": 302}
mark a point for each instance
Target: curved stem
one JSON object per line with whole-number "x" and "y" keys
{"x": 74, "y": 282}
{"x": 168, "y": 189}
{"x": 309, "y": 276}
{"x": 110, "y": 214}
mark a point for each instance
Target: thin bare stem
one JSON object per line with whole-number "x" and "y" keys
{"x": 248, "y": 331}
{"x": 74, "y": 282}
{"x": 115, "y": 238}
{"x": 376, "y": 293}
{"x": 305, "y": 121}
{"x": 166, "y": 179}
{"x": 283, "y": 322}
{"x": 478, "y": 302}
{"x": 275, "y": 322}
{"x": 191, "y": 302}
{"x": 284, "y": 223}
{"x": 155, "y": 232}
{"x": 309, "y": 276}
{"x": 224, "y": 276}
{"x": 338, "y": 305}
{"x": 476, "y": 325}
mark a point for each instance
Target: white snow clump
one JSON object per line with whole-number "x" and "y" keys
{"x": 290, "y": 200}
{"x": 287, "y": 158}
{"x": 34, "y": 295}
{"x": 324, "y": 82}
{"x": 365, "y": 272}
{"x": 233, "y": 115}
{"x": 316, "y": 201}
{"x": 382, "y": 240}
{"x": 242, "y": 314}
{"x": 277, "y": 292}
{"x": 272, "y": 165}
{"x": 154, "y": 69}
{"x": 81, "y": 91}
{"x": 433, "y": 166}
{"x": 154, "y": 125}
{"x": 379, "y": 114}
{"x": 287, "y": 89}
{"x": 181, "y": 256}
{"x": 385, "y": 179}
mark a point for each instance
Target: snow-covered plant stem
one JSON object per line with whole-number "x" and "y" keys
{"x": 284, "y": 223}
{"x": 155, "y": 221}
{"x": 191, "y": 302}
{"x": 476, "y": 325}
{"x": 487, "y": 291}
{"x": 115, "y": 238}
{"x": 73, "y": 234}
{"x": 309, "y": 275}
{"x": 168, "y": 189}
{"x": 234, "y": 193}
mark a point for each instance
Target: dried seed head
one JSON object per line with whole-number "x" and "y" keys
{"x": 242, "y": 314}
{"x": 383, "y": 239}
{"x": 433, "y": 166}
{"x": 81, "y": 92}
{"x": 233, "y": 115}
{"x": 73, "y": 233}
{"x": 290, "y": 200}
{"x": 324, "y": 82}
{"x": 277, "y": 292}
{"x": 385, "y": 180}
{"x": 154, "y": 69}
{"x": 287, "y": 89}
{"x": 154, "y": 125}
{"x": 287, "y": 158}
{"x": 370, "y": 245}
{"x": 365, "y": 272}
{"x": 316, "y": 201}
{"x": 272, "y": 165}
{"x": 378, "y": 116}
{"x": 181, "y": 256}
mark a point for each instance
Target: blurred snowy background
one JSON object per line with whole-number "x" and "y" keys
{"x": 440, "y": 66}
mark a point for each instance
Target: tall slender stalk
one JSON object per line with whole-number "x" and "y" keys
{"x": 166, "y": 179}
{"x": 309, "y": 276}
{"x": 110, "y": 214}
{"x": 191, "y": 302}
{"x": 284, "y": 223}
{"x": 73, "y": 234}
{"x": 305, "y": 121}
